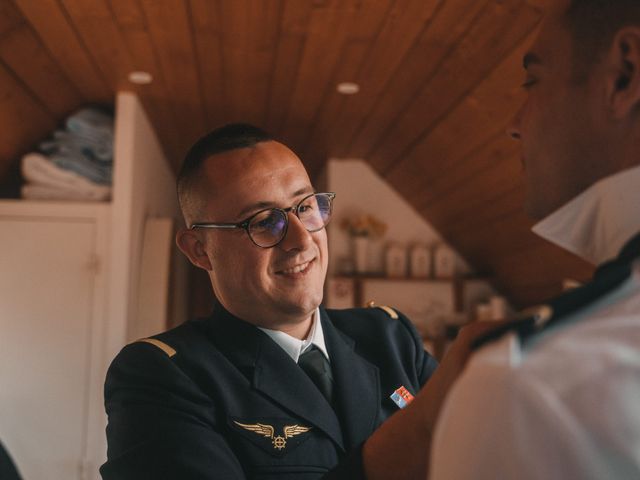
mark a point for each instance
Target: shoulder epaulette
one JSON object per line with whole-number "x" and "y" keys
{"x": 388, "y": 310}
{"x": 526, "y": 322}
{"x": 159, "y": 344}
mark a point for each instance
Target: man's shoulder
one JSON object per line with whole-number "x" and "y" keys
{"x": 183, "y": 340}
{"x": 377, "y": 322}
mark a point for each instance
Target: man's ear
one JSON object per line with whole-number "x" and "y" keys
{"x": 624, "y": 77}
{"x": 189, "y": 242}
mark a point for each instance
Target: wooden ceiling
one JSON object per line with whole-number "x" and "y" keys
{"x": 439, "y": 82}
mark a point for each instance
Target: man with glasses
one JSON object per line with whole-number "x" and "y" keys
{"x": 272, "y": 385}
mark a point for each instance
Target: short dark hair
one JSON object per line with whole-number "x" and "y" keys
{"x": 229, "y": 137}
{"x": 593, "y": 24}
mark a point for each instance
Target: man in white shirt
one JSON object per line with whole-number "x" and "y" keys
{"x": 555, "y": 395}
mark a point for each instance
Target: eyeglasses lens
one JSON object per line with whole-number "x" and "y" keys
{"x": 266, "y": 228}
{"x": 314, "y": 212}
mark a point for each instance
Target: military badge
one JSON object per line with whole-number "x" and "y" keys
{"x": 279, "y": 442}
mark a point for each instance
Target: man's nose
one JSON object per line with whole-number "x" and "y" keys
{"x": 297, "y": 236}
{"x": 513, "y": 129}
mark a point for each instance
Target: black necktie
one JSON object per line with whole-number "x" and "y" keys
{"x": 316, "y": 365}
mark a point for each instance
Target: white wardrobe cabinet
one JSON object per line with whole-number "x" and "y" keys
{"x": 52, "y": 318}
{"x": 77, "y": 282}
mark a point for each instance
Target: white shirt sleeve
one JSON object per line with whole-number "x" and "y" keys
{"x": 500, "y": 423}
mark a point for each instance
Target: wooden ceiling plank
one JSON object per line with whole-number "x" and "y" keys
{"x": 154, "y": 97}
{"x": 500, "y": 207}
{"x": 503, "y": 234}
{"x": 291, "y": 40}
{"x": 58, "y": 35}
{"x": 359, "y": 46}
{"x": 493, "y": 36}
{"x": 101, "y": 37}
{"x": 526, "y": 263}
{"x": 207, "y": 26}
{"x": 486, "y": 157}
{"x": 128, "y": 15}
{"x": 495, "y": 167}
{"x": 250, "y": 33}
{"x": 483, "y": 114}
{"x": 40, "y": 74}
{"x": 329, "y": 26}
{"x": 317, "y": 144}
{"x": 402, "y": 27}
{"x": 24, "y": 121}
{"x": 10, "y": 17}
{"x": 169, "y": 25}
{"x": 441, "y": 34}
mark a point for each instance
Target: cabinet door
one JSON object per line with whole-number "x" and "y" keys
{"x": 47, "y": 273}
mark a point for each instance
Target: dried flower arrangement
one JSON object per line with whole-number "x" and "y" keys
{"x": 363, "y": 225}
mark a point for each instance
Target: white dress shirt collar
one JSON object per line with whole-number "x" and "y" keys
{"x": 596, "y": 224}
{"x": 294, "y": 346}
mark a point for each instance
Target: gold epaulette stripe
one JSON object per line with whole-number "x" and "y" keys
{"x": 390, "y": 311}
{"x": 161, "y": 345}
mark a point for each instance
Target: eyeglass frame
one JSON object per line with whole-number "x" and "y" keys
{"x": 244, "y": 224}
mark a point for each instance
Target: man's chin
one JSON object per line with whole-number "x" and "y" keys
{"x": 301, "y": 308}
{"x": 535, "y": 207}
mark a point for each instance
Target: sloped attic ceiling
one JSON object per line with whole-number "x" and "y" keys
{"x": 438, "y": 84}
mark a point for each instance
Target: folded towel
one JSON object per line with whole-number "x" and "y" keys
{"x": 33, "y": 191}
{"x": 91, "y": 124}
{"x": 79, "y": 164}
{"x": 94, "y": 149}
{"x": 38, "y": 169}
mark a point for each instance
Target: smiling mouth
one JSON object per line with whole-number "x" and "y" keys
{"x": 298, "y": 269}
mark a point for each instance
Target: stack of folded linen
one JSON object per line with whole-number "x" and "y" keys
{"x": 76, "y": 164}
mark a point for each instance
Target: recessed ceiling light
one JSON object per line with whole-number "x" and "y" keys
{"x": 140, "y": 78}
{"x": 348, "y": 88}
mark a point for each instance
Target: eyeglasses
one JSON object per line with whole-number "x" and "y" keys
{"x": 268, "y": 227}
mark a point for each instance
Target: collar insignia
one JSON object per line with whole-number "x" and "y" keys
{"x": 279, "y": 442}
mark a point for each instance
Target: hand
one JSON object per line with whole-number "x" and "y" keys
{"x": 400, "y": 448}
{"x": 460, "y": 351}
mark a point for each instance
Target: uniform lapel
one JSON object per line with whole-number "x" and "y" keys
{"x": 357, "y": 385}
{"x": 274, "y": 373}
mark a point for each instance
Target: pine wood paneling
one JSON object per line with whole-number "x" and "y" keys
{"x": 500, "y": 26}
{"x": 294, "y": 22}
{"x": 402, "y": 26}
{"x": 41, "y": 73}
{"x": 484, "y": 113}
{"x": 10, "y": 17}
{"x": 328, "y": 29}
{"x": 24, "y": 121}
{"x": 132, "y": 23}
{"x": 439, "y": 37}
{"x": 250, "y": 32}
{"x": 101, "y": 37}
{"x": 207, "y": 26}
{"x": 61, "y": 39}
{"x": 330, "y": 120}
{"x": 170, "y": 27}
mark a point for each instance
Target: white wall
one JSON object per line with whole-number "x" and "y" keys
{"x": 144, "y": 187}
{"x": 360, "y": 189}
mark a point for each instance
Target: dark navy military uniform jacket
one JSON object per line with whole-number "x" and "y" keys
{"x": 216, "y": 398}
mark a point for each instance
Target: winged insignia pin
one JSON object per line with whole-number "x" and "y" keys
{"x": 278, "y": 441}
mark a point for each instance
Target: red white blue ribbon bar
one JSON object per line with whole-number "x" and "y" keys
{"x": 401, "y": 397}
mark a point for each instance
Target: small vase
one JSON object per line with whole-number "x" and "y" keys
{"x": 361, "y": 253}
